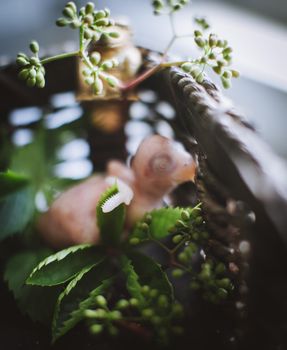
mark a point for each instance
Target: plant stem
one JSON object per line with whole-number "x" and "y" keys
{"x": 60, "y": 57}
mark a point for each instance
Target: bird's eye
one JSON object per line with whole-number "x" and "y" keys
{"x": 162, "y": 164}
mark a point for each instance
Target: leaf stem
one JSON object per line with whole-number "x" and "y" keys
{"x": 60, "y": 57}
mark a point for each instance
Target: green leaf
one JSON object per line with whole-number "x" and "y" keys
{"x": 64, "y": 265}
{"x": 149, "y": 273}
{"x": 11, "y": 182}
{"x": 133, "y": 285}
{"x": 80, "y": 295}
{"x": 37, "y": 302}
{"x": 110, "y": 224}
{"x": 16, "y": 210}
{"x": 163, "y": 220}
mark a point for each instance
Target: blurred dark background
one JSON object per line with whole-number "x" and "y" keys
{"x": 257, "y": 30}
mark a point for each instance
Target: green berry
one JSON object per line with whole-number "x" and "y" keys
{"x": 182, "y": 258}
{"x": 212, "y": 40}
{"x": 217, "y": 69}
{"x": 31, "y": 82}
{"x": 227, "y": 74}
{"x": 24, "y": 73}
{"x": 163, "y": 301}
{"x": 134, "y": 302}
{"x": 112, "y": 81}
{"x": 134, "y": 241}
{"x": 145, "y": 289}
{"x": 226, "y": 83}
{"x": 227, "y": 51}
{"x": 72, "y": 6}
{"x": 100, "y": 14}
{"x": 177, "y": 273}
{"x": 98, "y": 86}
{"x": 153, "y": 293}
{"x": 212, "y": 56}
{"x": 122, "y": 304}
{"x": 199, "y": 41}
{"x": 158, "y": 4}
{"x": 100, "y": 313}
{"x": 115, "y": 315}
{"x": 96, "y": 328}
{"x": 176, "y": 239}
{"x": 101, "y": 300}
{"x": 147, "y": 313}
{"x": 197, "y": 33}
{"x": 90, "y": 313}
{"x": 144, "y": 226}
{"x": 185, "y": 215}
{"x": 69, "y": 13}
{"x": 34, "y": 46}
{"x": 21, "y": 61}
{"x": 235, "y": 73}
{"x": 89, "y": 7}
{"x": 95, "y": 58}
{"x": 114, "y": 35}
{"x": 187, "y": 66}
{"x": 62, "y": 22}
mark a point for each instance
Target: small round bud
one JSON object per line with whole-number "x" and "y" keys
{"x": 220, "y": 43}
{"x": 114, "y": 35}
{"x": 217, "y": 69}
{"x": 156, "y": 320}
{"x": 148, "y": 219}
{"x": 107, "y": 65}
{"x": 72, "y": 6}
{"x": 75, "y": 24}
{"x": 115, "y": 315}
{"x": 89, "y": 7}
{"x": 162, "y": 301}
{"x": 100, "y": 14}
{"x": 122, "y": 304}
{"x": 203, "y": 60}
{"x": 235, "y": 73}
{"x": 177, "y": 309}
{"x": 40, "y": 80}
{"x": 144, "y": 226}
{"x": 35, "y": 61}
{"x": 147, "y": 313}
{"x": 224, "y": 283}
{"x": 226, "y": 83}
{"x": 107, "y": 12}
{"x": 96, "y": 328}
{"x": 95, "y": 58}
{"x": 227, "y": 51}
{"x": 98, "y": 86}
{"x": 101, "y": 300}
{"x": 62, "y": 22}
{"x": 134, "y": 302}
{"x": 199, "y": 220}
{"x": 197, "y": 33}
{"x": 227, "y": 74}
{"x": 32, "y": 73}
{"x": 182, "y": 257}
{"x": 157, "y": 4}
{"x": 176, "y": 239}
{"x": 112, "y": 81}
{"x": 145, "y": 289}
{"x": 187, "y": 67}
{"x": 177, "y": 273}
{"x": 89, "y": 19}
{"x": 21, "y": 61}
{"x": 89, "y": 80}
{"x": 113, "y": 331}
{"x": 69, "y": 13}
{"x": 180, "y": 223}
{"x": 31, "y": 82}
{"x": 34, "y": 46}
{"x": 212, "y": 56}
{"x": 90, "y": 313}
{"x": 24, "y": 73}
{"x": 199, "y": 41}
{"x": 100, "y": 313}
{"x": 200, "y": 78}
{"x": 21, "y": 54}
{"x": 177, "y": 330}
{"x": 212, "y": 40}
{"x": 103, "y": 22}
{"x": 177, "y": 7}
{"x": 153, "y": 293}
{"x": 134, "y": 241}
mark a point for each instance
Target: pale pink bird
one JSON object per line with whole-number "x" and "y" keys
{"x": 156, "y": 169}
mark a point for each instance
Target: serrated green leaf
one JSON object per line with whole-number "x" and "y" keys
{"x": 163, "y": 220}
{"x": 11, "y": 182}
{"x": 64, "y": 265}
{"x": 16, "y": 210}
{"x": 132, "y": 284}
{"x": 150, "y": 273}
{"x": 110, "y": 224}
{"x": 79, "y": 295}
{"x": 37, "y": 302}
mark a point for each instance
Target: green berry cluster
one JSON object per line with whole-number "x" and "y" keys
{"x": 212, "y": 282}
{"x": 171, "y": 6}
{"x": 93, "y": 22}
{"x": 32, "y": 70}
{"x": 157, "y": 313}
{"x": 217, "y": 54}
{"x": 95, "y": 75}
